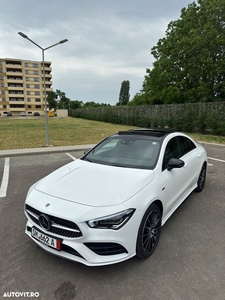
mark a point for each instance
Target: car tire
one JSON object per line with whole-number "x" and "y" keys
{"x": 149, "y": 232}
{"x": 201, "y": 180}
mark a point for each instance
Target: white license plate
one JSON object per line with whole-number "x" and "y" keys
{"x": 45, "y": 239}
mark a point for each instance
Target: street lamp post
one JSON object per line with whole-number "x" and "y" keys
{"x": 43, "y": 62}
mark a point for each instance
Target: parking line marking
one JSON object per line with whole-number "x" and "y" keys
{"x": 71, "y": 156}
{"x": 5, "y": 179}
{"x": 216, "y": 159}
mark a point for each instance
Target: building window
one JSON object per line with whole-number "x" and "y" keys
{"x": 36, "y": 73}
{"x": 35, "y": 65}
{"x": 26, "y": 72}
{"x": 27, "y": 79}
{"x": 36, "y": 79}
{"x": 26, "y": 65}
{"x": 37, "y": 100}
{"x": 3, "y": 92}
{"x": 37, "y": 93}
{"x": 28, "y": 93}
{"x": 38, "y": 106}
{"x": 16, "y": 106}
{"x": 4, "y": 106}
{"x": 27, "y": 86}
{"x": 37, "y": 86}
{"x": 1, "y": 77}
{"x": 3, "y": 99}
{"x": 2, "y": 84}
{"x": 1, "y": 70}
{"x": 28, "y": 100}
{"x": 28, "y": 106}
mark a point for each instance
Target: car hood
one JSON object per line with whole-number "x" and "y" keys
{"x": 94, "y": 184}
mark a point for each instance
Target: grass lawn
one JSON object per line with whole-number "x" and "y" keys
{"x": 18, "y": 133}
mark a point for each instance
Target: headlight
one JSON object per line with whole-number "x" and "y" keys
{"x": 114, "y": 221}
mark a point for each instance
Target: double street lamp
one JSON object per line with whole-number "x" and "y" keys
{"x": 43, "y": 61}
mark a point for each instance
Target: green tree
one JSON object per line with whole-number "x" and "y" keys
{"x": 91, "y": 104}
{"x": 124, "y": 95}
{"x": 190, "y": 59}
{"x": 94, "y": 104}
{"x": 60, "y": 94}
{"x": 138, "y": 99}
{"x": 63, "y": 101}
{"x": 74, "y": 104}
{"x": 51, "y": 99}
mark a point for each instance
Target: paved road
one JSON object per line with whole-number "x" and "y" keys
{"x": 188, "y": 264}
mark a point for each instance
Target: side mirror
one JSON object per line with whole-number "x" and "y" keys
{"x": 175, "y": 163}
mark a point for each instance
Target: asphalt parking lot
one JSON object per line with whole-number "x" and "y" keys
{"x": 188, "y": 264}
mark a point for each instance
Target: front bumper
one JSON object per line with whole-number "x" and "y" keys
{"x": 95, "y": 247}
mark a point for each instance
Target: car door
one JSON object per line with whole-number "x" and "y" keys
{"x": 176, "y": 180}
{"x": 192, "y": 157}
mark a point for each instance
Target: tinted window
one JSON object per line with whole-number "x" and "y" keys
{"x": 173, "y": 150}
{"x": 186, "y": 144}
{"x": 126, "y": 151}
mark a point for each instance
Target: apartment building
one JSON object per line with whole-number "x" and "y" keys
{"x": 22, "y": 86}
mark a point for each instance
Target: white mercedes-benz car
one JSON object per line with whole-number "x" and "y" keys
{"x": 110, "y": 204}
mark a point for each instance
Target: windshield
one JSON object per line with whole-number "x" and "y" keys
{"x": 126, "y": 151}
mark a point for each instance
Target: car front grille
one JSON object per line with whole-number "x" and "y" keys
{"x": 58, "y": 226}
{"x": 64, "y": 247}
{"x": 106, "y": 248}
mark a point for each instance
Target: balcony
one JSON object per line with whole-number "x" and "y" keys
{"x": 47, "y": 82}
{"x": 14, "y": 73}
{"x": 16, "y": 103}
{"x": 13, "y": 95}
{"x": 47, "y": 69}
{"x": 15, "y": 79}
{"x": 15, "y": 100}
{"x": 13, "y": 65}
{"x": 18, "y": 109}
{"x": 14, "y": 87}
{"x": 47, "y": 76}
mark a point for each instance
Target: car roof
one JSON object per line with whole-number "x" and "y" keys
{"x": 159, "y": 133}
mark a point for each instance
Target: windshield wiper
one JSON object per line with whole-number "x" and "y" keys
{"x": 87, "y": 159}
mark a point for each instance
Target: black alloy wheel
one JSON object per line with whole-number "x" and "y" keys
{"x": 201, "y": 179}
{"x": 149, "y": 232}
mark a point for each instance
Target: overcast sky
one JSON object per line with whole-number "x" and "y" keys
{"x": 108, "y": 41}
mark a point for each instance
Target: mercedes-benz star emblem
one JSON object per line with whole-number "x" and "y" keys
{"x": 44, "y": 221}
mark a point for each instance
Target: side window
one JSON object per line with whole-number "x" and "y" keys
{"x": 173, "y": 150}
{"x": 186, "y": 144}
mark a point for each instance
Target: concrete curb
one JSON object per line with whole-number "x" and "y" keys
{"x": 44, "y": 150}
